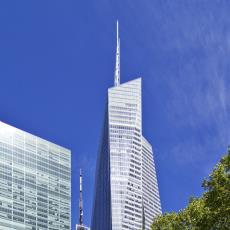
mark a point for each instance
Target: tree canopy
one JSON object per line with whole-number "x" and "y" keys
{"x": 209, "y": 212}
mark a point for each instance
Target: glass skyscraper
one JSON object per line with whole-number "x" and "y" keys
{"x": 126, "y": 189}
{"x": 35, "y": 182}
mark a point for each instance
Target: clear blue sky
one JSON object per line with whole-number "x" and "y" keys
{"x": 57, "y": 61}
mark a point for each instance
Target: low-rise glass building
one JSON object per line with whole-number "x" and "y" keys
{"x": 35, "y": 182}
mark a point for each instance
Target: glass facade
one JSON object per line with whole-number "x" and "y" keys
{"x": 125, "y": 171}
{"x": 35, "y": 182}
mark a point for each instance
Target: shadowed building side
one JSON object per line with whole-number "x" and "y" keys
{"x": 101, "y": 216}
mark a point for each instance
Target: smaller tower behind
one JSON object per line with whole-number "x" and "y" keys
{"x": 80, "y": 226}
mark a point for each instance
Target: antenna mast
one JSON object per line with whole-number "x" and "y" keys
{"x": 81, "y": 201}
{"x": 80, "y": 226}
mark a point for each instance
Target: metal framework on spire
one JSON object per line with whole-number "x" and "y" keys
{"x": 117, "y": 66}
{"x": 80, "y": 201}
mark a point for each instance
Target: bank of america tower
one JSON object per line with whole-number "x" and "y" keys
{"x": 126, "y": 190}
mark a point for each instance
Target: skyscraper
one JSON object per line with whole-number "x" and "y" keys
{"x": 126, "y": 190}
{"x": 35, "y": 182}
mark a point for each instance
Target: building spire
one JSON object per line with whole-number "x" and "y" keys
{"x": 117, "y": 66}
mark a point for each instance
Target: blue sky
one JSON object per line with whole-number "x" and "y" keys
{"x": 57, "y": 60}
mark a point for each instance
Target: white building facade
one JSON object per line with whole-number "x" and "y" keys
{"x": 125, "y": 155}
{"x": 151, "y": 197}
{"x": 35, "y": 182}
{"x": 126, "y": 189}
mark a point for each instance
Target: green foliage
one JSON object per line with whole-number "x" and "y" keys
{"x": 209, "y": 212}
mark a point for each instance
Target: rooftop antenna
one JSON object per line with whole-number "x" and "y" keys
{"x": 81, "y": 201}
{"x": 80, "y": 226}
{"x": 117, "y": 66}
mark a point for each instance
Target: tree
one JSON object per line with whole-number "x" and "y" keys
{"x": 209, "y": 212}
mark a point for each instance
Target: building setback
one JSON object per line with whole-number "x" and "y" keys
{"x": 35, "y": 182}
{"x": 126, "y": 192}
